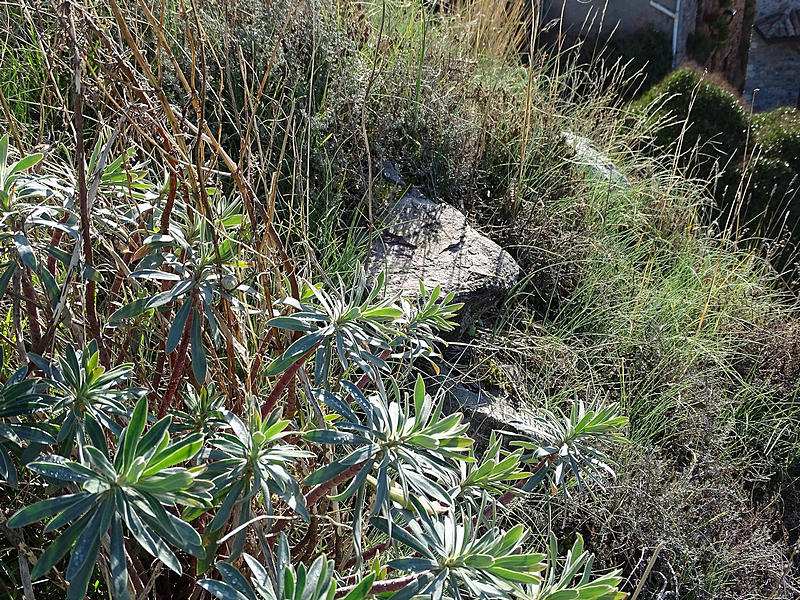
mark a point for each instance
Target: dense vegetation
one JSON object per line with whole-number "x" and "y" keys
{"x": 751, "y": 162}
{"x": 203, "y": 396}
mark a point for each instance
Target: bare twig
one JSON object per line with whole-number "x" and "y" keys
{"x": 370, "y": 82}
{"x": 83, "y": 194}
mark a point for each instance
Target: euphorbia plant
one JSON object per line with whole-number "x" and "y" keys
{"x": 20, "y": 398}
{"x": 195, "y": 270}
{"x": 410, "y": 446}
{"x": 250, "y": 464}
{"x": 133, "y": 492}
{"x": 304, "y": 457}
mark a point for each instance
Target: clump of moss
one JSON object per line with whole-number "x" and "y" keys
{"x": 700, "y": 112}
{"x": 778, "y": 134}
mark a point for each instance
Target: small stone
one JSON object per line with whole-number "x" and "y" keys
{"x": 390, "y": 174}
{"x": 597, "y": 163}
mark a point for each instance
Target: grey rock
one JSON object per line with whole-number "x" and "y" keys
{"x": 486, "y": 409}
{"x": 481, "y": 404}
{"x": 594, "y": 161}
{"x": 432, "y": 242}
{"x": 390, "y": 174}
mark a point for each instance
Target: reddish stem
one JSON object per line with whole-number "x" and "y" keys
{"x": 162, "y": 358}
{"x": 30, "y": 308}
{"x": 165, "y": 215}
{"x": 83, "y": 194}
{"x": 112, "y": 295}
{"x": 257, "y": 360}
{"x": 306, "y": 546}
{"x": 177, "y": 368}
{"x": 118, "y": 279}
{"x": 287, "y": 376}
{"x": 375, "y": 550}
{"x": 319, "y": 491}
{"x": 162, "y": 351}
{"x": 55, "y": 240}
{"x": 380, "y": 587}
{"x": 291, "y": 404}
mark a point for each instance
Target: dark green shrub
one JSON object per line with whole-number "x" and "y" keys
{"x": 700, "y": 45}
{"x": 718, "y": 121}
{"x": 770, "y": 198}
{"x": 778, "y": 134}
{"x": 773, "y": 168}
{"x": 648, "y": 50}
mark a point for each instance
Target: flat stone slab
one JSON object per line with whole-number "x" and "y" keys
{"x": 594, "y": 161}
{"x": 432, "y": 242}
{"x": 485, "y": 407}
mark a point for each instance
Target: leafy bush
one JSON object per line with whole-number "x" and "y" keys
{"x": 778, "y": 134}
{"x": 701, "y": 115}
{"x": 771, "y": 178}
{"x": 752, "y": 160}
{"x": 191, "y": 398}
{"x": 174, "y": 273}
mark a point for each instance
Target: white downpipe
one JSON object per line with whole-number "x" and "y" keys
{"x": 675, "y": 25}
{"x": 675, "y": 16}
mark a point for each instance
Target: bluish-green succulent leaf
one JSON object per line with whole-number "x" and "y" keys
{"x": 178, "y": 326}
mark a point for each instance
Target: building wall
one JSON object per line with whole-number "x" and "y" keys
{"x": 686, "y": 27}
{"x": 591, "y": 18}
{"x": 773, "y": 69}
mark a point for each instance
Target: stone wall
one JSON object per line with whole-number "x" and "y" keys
{"x": 773, "y": 74}
{"x": 765, "y": 7}
{"x": 773, "y": 68}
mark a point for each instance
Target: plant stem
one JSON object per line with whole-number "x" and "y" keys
{"x": 177, "y": 367}
{"x": 287, "y": 376}
{"x": 83, "y": 196}
{"x": 307, "y": 545}
{"x": 291, "y": 404}
{"x": 55, "y": 240}
{"x": 30, "y": 308}
{"x": 375, "y": 550}
{"x": 380, "y": 587}
{"x": 162, "y": 350}
{"x": 167, "y": 212}
{"x": 262, "y": 348}
{"x": 320, "y": 490}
